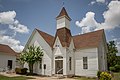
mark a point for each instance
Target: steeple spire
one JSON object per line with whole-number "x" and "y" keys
{"x": 63, "y": 4}
{"x": 63, "y": 20}
{"x": 63, "y": 13}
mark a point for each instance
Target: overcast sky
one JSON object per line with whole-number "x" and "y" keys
{"x": 18, "y": 18}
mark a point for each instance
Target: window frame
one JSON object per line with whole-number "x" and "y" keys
{"x": 70, "y": 63}
{"x": 85, "y": 62}
{"x": 40, "y": 64}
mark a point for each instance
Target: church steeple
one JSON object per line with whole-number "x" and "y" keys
{"x": 63, "y": 19}
{"x": 63, "y": 13}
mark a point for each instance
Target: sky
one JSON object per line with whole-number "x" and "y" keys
{"x": 18, "y": 18}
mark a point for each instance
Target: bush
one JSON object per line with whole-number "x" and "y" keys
{"x": 18, "y": 70}
{"x": 98, "y": 74}
{"x": 112, "y": 69}
{"x": 21, "y": 70}
{"x": 24, "y": 71}
{"x": 117, "y": 68}
{"x": 105, "y": 76}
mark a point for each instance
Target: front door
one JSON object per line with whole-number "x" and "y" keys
{"x": 59, "y": 66}
{"x": 10, "y": 64}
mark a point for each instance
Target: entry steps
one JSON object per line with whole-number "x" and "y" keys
{"x": 58, "y": 76}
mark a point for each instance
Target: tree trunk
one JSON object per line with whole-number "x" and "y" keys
{"x": 31, "y": 68}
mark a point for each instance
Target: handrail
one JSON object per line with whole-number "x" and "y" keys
{"x": 59, "y": 71}
{"x": 2, "y": 69}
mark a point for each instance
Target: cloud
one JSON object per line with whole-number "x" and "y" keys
{"x": 98, "y": 1}
{"x": 88, "y": 23}
{"x": 2, "y": 32}
{"x": 9, "y": 19}
{"x": 13, "y": 43}
{"x": 111, "y": 19}
{"x": 112, "y": 15}
{"x": 17, "y": 27}
{"x": 92, "y": 2}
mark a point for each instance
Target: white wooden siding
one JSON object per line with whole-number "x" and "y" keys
{"x": 63, "y": 22}
{"x": 92, "y": 55}
{"x": 4, "y": 60}
{"x": 38, "y": 40}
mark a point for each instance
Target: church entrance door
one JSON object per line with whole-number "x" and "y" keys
{"x": 59, "y": 66}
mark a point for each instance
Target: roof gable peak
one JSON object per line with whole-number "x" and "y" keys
{"x": 63, "y": 13}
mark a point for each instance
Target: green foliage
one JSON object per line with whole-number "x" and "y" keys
{"x": 112, "y": 69}
{"x": 31, "y": 55}
{"x": 24, "y": 70}
{"x": 105, "y": 76}
{"x": 21, "y": 70}
{"x": 111, "y": 55}
{"x": 18, "y": 70}
{"x": 115, "y": 68}
{"x": 15, "y": 78}
{"x": 118, "y": 60}
{"x": 98, "y": 74}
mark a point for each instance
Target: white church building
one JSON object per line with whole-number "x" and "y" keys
{"x": 67, "y": 54}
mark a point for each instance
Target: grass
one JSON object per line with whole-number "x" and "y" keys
{"x": 14, "y": 78}
{"x": 84, "y": 78}
{"x": 116, "y": 76}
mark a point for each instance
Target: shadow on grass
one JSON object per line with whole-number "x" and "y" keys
{"x": 15, "y": 78}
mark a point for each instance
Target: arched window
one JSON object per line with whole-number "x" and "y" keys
{"x": 59, "y": 57}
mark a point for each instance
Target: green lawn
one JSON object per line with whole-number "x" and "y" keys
{"x": 14, "y": 78}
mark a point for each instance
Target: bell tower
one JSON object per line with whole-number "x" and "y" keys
{"x": 63, "y": 20}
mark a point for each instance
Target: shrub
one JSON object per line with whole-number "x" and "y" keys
{"x": 105, "y": 76}
{"x": 21, "y": 70}
{"x": 18, "y": 70}
{"x": 24, "y": 71}
{"x": 117, "y": 68}
{"x": 112, "y": 69}
{"x": 98, "y": 74}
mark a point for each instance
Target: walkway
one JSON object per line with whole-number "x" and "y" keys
{"x": 35, "y": 77}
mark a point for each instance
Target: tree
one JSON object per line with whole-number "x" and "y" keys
{"x": 111, "y": 55}
{"x": 31, "y": 55}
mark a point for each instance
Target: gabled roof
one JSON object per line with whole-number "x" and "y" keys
{"x": 63, "y": 13}
{"x": 47, "y": 37}
{"x": 64, "y": 36}
{"x": 87, "y": 40}
{"x": 7, "y": 50}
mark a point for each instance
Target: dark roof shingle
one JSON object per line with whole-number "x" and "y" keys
{"x": 47, "y": 37}
{"x": 7, "y": 50}
{"x": 64, "y": 35}
{"x": 91, "y": 39}
{"x": 63, "y": 13}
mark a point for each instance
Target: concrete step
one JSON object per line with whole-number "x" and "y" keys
{"x": 58, "y": 76}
